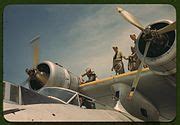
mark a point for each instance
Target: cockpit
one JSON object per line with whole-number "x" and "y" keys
{"x": 19, "y": 95}
{"x": 68, "y": 96}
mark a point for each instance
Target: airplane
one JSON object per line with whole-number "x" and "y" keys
{"x": 56, "y": 104}
{"x": 147, "y": 94}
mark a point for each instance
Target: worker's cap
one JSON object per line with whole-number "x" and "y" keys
{"x": 115, "y": 47}
{"x": 88, "y": 69}
{"x": 132, "y": 36}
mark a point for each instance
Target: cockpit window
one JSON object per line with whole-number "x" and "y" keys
{"x": 86, "y": 103}
{"x": 73, "y": 98}
{"x": 11, "y": 93}
{"x": 61, "y": 94}
{"x": 74, "y": 101}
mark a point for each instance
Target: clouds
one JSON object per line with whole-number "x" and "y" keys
{"x": 78, "y": 36}
{"x": 94, "y": 36}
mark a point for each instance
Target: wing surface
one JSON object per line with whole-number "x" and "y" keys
{"x": 159, "y": 91}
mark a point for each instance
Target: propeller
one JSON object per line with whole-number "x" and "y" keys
{"x": 133, "y": 20}
{"x": 41, "y": 76}
{"x": 168, "y": 28}
{"x": 36, "y": 74}
{"x": 130, "y": 18}
{"x": 149, "y": 35}
{"x": 136, "y": 80}
{"x": 35, "y": 44}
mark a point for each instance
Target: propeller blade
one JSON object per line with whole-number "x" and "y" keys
{"x": 130, "y": 18}
{"x": 168, "y": 28}
{"x": 42, "y": 77}
{"x": 136, "y": 80}
{"x": 35, "y": 45}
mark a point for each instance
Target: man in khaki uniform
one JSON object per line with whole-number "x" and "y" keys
{"x": 90, "y": 74}
{"x": 118, "y": 65}
{"x": 134, "y": 39}
{"x": 135, "y": 61}
{"x": 131, "y": 63}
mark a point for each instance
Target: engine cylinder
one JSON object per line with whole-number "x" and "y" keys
{"x": 57, "y": 76}
{"x": 161, "y": 58}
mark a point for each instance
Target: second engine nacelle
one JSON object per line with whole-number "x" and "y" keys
{"x": 161, "y": 56}
{"x": 57, "y": 76}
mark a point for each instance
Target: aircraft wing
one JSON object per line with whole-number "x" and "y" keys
{"x": 154, "y": 99}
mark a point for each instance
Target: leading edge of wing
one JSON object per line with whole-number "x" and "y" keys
{"x": 101, "y": 81}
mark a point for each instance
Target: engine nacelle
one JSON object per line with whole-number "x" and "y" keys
{"x": 161, "y": 58}
{"x": 57, "y": 76}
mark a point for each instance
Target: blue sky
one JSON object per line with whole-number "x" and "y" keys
{"x": 76, "y": 36}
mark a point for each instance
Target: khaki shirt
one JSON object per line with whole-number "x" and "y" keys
{"x": 117, "y": 58}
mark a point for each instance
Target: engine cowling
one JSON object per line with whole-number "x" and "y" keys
{"x": 161, "y": 58}
{"x": 57, "y": 76}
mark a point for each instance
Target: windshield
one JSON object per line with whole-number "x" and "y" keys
{"x": 59, "y": 93}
